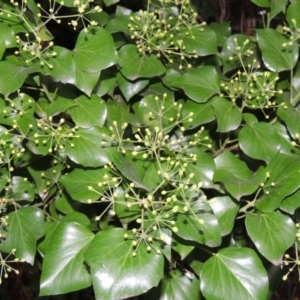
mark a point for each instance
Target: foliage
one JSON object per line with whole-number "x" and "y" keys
{"x": 143, "y": 153}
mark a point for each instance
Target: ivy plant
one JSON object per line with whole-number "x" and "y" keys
{"x": 145, "y": 153}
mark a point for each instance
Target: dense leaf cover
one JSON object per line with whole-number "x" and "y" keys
{"x": 144, "y": 153}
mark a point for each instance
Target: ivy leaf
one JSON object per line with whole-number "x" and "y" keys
{"x": 227, "y": 114}
{"x": 77, "y": 182}
{"x": 202, "y": 113}
{"x": 206, "y": 231}
{"x": 277, "y": 7}
{"x": 225, "y": 210}
{"x": 274, "y": 55}
{"x": 291, "y": 203}
{"x": 134, "y": 66}
{"x": 293, "y": 12}
{"x": 129, "y": 88}
{"x": 272, "y": 233}
{"x": 291, "y": 117}
{"x": 87, "y": 149}
{"x": 86, "y": 81}
{"x": 132, "y": 170}
{"x": 115, "y": 272}
{"x": 199, "y": 40}
{"x": 222, "y": 31}
{"x": 262, "y": 3}
{"x": 25, "y": 227}
{"x": 13, "y": 76}
{"x": 200, "y": 84}
{"x": 23, "y": 190}
{"x": 259, "y": 141}
{"x": 283, "y": 181}
{"x": 63, "y": 269}
{"x": 240, "y": 187}
{"x": 88, "y": 112}
{"x": 94, "y": 51}
{"x": 63, "y": 65}
{"x": 176, "y": 285}
{"x": 234, "y": 273}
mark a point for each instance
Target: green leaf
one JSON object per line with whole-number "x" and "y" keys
{"x": 23, "y": 190}
{"x": 88, "y": 112}
{"x": 203, "y": 168}
{"x": 2, "y": 48}
{"x": 222, "y": 31}
{"x": 227, "y": 114}
{"x": 115, "y": 272}
{"x": 63, "y": 66}
{"x": 94, "y": 51}
{"x": 227, "y": 161}
{"x": 88, "y": 150}
{"x": 199, "y": 84}
{"x": 119, "y": 24}
{"x": 129, "y": 88}
{"x": 202, "y": 113}
{"x": 277, "y": 7}
{"x": 25, "y": 227}
{"x": 86, "y": 81}
{"x": 77, "y": 182}
{"x": 134, "y": 65}
{"x": 240, "y": 187}
{"x": 132, "y": 170}
{"x": 283, "y": 181}
{"x": 198, "y": 39}
{"x": 234, "y": 273}
{"x": 110, "y": 2}
{"x": 272, "y": 233}
{"x": 206, "y": 231}
{"x": 13, "y": 76}
{"x": 63, "y": 269}
{"x": 291, "y": 203}
{"x": 261, "y": 3}
{"x": 293, "y": 12}
{"x": 176, "y": 285}
{"x": 259, "y": 141}
{"x": 291, "y": 117}
{"x": 225, "y": 210}
{"x": 274, "y": 55}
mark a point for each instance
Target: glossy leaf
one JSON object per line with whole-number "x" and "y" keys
{"x": 206, "y": 231}
{"x": 283, "y": 181}
{"x": 87, "y": 149}
{"x": 225, "y": 210}
{"x": 86, "y": 81}
{"x": 272, "y": 233}
{"x": 200, "y": 84}
{"x": 63, "y": 269}
{"x": 276, "y": 57}
{"x": 129, "y": 88}
{"x": 291, "y": 117}
{"x": 115, "y": 272}
{"x": 88, "y": 112}
{"x": 23, "y": 190}
{"x": 234, "y": 273}
{"x": 222, "y": 31}
{"x": 25, "y": 227}
{"x": 77, "y": 184}
{"x": 291, "y": 203}
{"x": 134, "y": 65}
{"x": 277, "y": 7}
{"x": 227, "y": 114}
{"x": 94, "y": 51}
{"x": 13, "y": 76}
{"x": 259, "y": 141}
{"x": 176, "y": 285}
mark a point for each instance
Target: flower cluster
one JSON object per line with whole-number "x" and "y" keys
{"x": 156, "y": 31}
